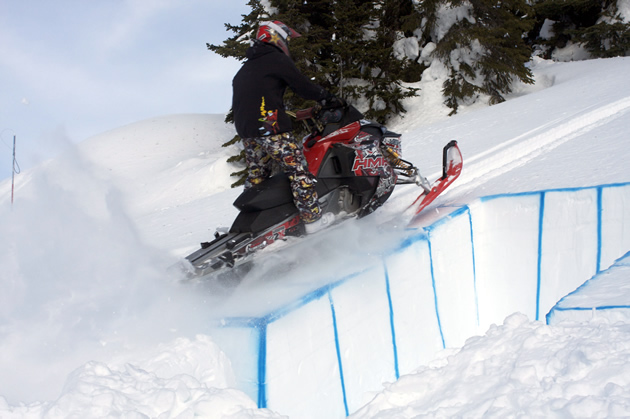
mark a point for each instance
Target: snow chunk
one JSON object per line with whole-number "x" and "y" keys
{"x": 623, "y": 7}
{"x": 407, "y": 48}
{"x": 448, "y": 15}
{"x": 546, "y": 32}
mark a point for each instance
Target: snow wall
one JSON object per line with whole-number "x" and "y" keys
{"x": 327, "y": 353}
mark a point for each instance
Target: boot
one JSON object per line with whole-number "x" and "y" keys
{"x": 326, "y": 220}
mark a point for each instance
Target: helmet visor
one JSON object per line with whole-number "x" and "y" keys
{"x": 283, "y": 30}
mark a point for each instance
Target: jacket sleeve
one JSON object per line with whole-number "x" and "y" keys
{"x": 300, "y": 84}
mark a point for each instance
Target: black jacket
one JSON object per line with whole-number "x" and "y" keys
{"x": 259, "y": 86}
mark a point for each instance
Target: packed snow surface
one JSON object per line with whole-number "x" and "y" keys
{"x": 93, "y": 325}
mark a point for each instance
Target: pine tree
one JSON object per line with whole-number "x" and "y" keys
{"x": 605, "y": 40}
{"x": 332, "y": 43}
{"x": 593, "y": 23}
{"x": 236, "y": 45}
{"x": 485, "y": 51}
{"x": 382, "y": 70}
{"x": 568, "y": 16}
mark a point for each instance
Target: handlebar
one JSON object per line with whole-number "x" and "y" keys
{"x": 314, "y": 111}
{"x": 304, "y": 114}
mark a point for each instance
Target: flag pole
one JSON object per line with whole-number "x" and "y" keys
{"x": 13, "y": 175}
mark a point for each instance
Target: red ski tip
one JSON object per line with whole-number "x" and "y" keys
{"x": 452, "y": 164}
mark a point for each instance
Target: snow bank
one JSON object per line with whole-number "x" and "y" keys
{"x": 185, "y": 378}
{"x": 518, "y": 369}
{"x": 323, "y": 354}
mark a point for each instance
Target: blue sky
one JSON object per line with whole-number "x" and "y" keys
{"x": 71, "y": 69}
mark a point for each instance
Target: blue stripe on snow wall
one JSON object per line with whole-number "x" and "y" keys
{"x": 391, "y": 320}
{"x": 435, "y": 297}
{"x": 472, "y": 246}
{"x": 611, "y": 307}
{"x": 600, "y": 192}
{"x": 541, "y": 217}
{"x": 339, "y": 361}
{"x": 262, "y": 366}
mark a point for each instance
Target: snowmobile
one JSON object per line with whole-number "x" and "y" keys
{"x": 352, "y": 158}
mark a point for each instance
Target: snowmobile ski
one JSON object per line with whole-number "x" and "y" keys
{"x": 452, "y": 164}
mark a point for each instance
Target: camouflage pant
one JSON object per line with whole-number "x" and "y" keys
{"x": 262, "y": 152}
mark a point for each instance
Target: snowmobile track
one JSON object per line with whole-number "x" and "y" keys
{"x": 521, "y": 150}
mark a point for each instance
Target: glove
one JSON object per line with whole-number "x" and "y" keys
{"x": 331, "y": 101}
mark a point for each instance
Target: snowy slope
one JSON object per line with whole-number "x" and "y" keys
{"x": 86, "y": 245}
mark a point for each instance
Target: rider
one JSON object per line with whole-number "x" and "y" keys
{"x": 264, "y": 126}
